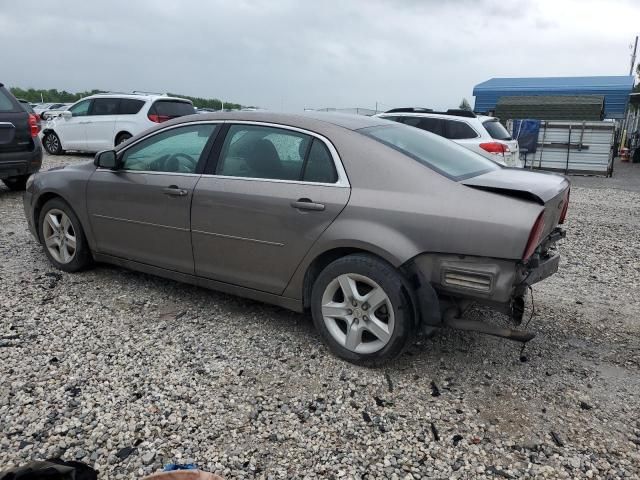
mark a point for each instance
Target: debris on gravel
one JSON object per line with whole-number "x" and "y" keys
{"x": 129, "y": 372}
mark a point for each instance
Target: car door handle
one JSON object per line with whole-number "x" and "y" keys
{"x": 174, "y": 191}
{"x": 307, "y": 204}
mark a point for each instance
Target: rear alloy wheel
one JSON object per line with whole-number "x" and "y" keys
{"x": 52, "y": 143}
{"x": 63, "y": 238}
{"x": 360, "y": 308}
{"x": 16, "y": 183}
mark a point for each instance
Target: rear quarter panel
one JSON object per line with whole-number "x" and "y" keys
{"x": 400, "y": 208}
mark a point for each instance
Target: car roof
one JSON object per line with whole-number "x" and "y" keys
{"x": 344, "y": 120}
{"x": 136, "y": 96}
{"x": 480, "y": 118}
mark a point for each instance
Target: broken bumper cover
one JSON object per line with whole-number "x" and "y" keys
{"x": 486, "y": 280}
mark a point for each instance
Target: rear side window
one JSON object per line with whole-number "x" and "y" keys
{"x": 459, "y": 130}
{"x": 27, "y": 106}
{"x": 445, "y": 157}
{"x": 129, "y": 106}
{"x": 496, "y": 130}
{"x": 6, "y": 103}
{"x": 320, "y": 167}
{"x": 168, "y": 109}
{"x": 105, "y": 106}
{"x": 433, "y": 125}
{"x": 253, "y": 151}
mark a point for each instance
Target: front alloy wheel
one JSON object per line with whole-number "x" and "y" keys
{"x": 62, "y": 236}
{"x": 59, "y": 236}
{"x": 361, "y": 305}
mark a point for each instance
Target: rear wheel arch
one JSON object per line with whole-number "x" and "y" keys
{"x": 321, "y": 261}
{"x": 120, "y": 135}
{"x": 389, "y": 282}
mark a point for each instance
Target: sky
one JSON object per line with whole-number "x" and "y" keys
{"x": 295, "y": 54}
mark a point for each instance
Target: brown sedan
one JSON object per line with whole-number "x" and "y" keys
{"x": 381, "y": 230}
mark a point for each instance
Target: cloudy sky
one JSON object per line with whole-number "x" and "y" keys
{"x": 292, "y": 54}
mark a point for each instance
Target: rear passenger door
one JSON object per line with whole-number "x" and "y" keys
{"x": 100, "y": 123}
{"x": 257, "y": 212}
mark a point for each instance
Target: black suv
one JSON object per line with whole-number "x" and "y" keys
{"x": 20, "y": 147}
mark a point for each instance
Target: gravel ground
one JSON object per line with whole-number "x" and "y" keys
{"x": 127, "y": 372}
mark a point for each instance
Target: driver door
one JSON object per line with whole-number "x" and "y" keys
{"x": 141, "y": 211}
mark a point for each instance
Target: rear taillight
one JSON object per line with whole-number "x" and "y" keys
{"x": 534, "y": 237}
{"x": 158, "y": 118}
{"x": 33, "y": 125}
{"x": 565, "y": 208}
{"x": 495, "y": 147}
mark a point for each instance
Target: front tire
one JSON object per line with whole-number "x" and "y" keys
{"x": 16, "y": 183}
{"x": 52, "y": 144}
{"x": 62, "y": 236}
{"x": 361, "y": 308}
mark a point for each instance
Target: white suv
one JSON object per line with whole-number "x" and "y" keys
{"x": 104, "y": 120}
{"x": 481, "y": 134}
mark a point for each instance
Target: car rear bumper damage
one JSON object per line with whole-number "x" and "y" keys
{"x": 459, "y": 280}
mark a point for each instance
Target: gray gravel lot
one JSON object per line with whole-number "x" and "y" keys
{"x": 127, "y": 372}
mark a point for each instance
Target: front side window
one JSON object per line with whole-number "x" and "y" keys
{"x": 445, "y": 157}
{"x": 263, "y": 152}
{"x": 105, "y": 106}
{"x": 80, "y": 109}
{"x": 176, "y": 150}
{"x": 459, "y": 130}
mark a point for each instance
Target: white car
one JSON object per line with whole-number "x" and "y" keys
{"x": 101, "y": 121}
{"x": 39, "y": 108}
{"x": 481, "y": 134}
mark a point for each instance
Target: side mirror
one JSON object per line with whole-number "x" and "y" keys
{"x": 106, "y": 159}
{"x": 66, "y": 114}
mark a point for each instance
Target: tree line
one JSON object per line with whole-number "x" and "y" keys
{"x": 52, "y": 95}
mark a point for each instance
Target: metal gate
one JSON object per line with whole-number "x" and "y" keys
{"x": 574, "y": 147}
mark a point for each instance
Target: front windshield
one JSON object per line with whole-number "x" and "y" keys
{"x": 438, "y": 153}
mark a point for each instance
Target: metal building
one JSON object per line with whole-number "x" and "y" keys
{"x": 615, "y": 90}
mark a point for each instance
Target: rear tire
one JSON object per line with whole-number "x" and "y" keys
{"x": 62, "y": 237}
{"x": 52, "y": 144}
{"x": 361, "y": 308}
{"x": 16, "y": 183}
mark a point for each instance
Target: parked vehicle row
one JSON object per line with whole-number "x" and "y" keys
{"x": 481, "y": 134}
{"x": 102, "y": 121}
{"x": 380, "y": 229}
{"x": 20, "y": 146}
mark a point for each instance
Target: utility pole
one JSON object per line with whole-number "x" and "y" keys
{"x": 633, "y": 56}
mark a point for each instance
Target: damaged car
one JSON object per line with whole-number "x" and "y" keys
{"x": 380, "y": 230}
